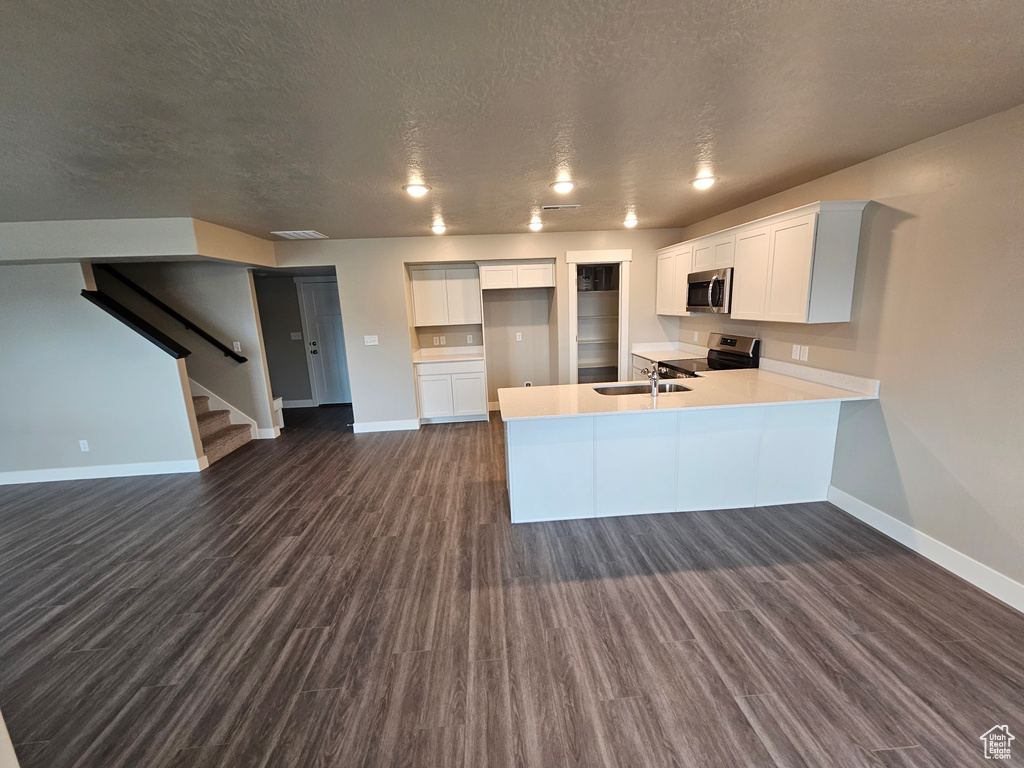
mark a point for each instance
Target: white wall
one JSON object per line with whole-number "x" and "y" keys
{"x": 371, "y": 280}
{"x": 71, "y": 372}
{"x": 222, "y": 300}
{"x": 938, "y": 313}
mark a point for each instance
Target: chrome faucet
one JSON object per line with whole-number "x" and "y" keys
{"x": 652, "y": 374}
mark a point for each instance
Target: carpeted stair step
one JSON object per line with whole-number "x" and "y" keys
{"x": 225, "y": 440}
{"x": 201, "y": 404}
{"x": 211, "y": 422}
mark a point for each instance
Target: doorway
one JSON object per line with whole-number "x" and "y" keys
{"x": 598, "y": 315}
{"x": 300, "y": 314}
{"x": 324, "y": 334}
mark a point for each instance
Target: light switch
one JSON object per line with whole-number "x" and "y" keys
{"x": 296, "y": 335}
{"x": 796, "y": 351}
{"x": 84, "y": 445}
{"x": 519, "y": 337}
{"x": 369, "y": 341}
{"x": 695, "y": 336}
{"x": 804, "y": 350}
{"x": 236, "y": 345}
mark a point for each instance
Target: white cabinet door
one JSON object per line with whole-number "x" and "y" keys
{"x": 535, "y": 275}
{"x": 470, "y": 390}
{"x": 429, "y": 296}
{"x": 789, "y": 275}
{"x": 665, "y": 299}
{"x": 703, "y": 255}
{"x": 462, "y": 289}
{"x": 436, "y": 398}
{"x": 725, "y": 248}
{"x": 684, "y": 266}
{"x": 750, "y": 274}
{"x": 498, "y": 276}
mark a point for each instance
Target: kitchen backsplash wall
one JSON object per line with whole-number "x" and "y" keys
{"x": 454, "y": 335}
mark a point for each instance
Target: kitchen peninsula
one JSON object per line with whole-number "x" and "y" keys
{"x": 737, "y": 438}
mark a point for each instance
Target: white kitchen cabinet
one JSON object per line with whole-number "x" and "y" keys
{"x": 714, "y": 252}
{"x": 445, "y": 295}
{"x": 462, "y": 289}
{"x": 793, "y": 267}
{"x": 517, "y": 275}
{"x": 674, "y": 266}
{"x": 451, "y": 391}
{"x": 436, "y": 397}
{"x": 789, "y": 269}
{"x": 470, "y": 393}
{"x": 750, "y": 273}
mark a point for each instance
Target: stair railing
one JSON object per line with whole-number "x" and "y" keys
{"x": 136, "y": 323}
{"x": 189, "y": 325}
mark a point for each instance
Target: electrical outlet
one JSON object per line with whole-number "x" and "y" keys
{"x": 796, "y": 351}
{"x": 84, "y": 445}
{"x": 695, "y": 336}
{"x": 527, "y": 383}
{"x": 804, "y": 350}
{"x": 469, "y": 338}
{"x": 296, "y": 335}
{"x": 236, "y": 345}
{"x": 444, "y": 341}
{"x": 369, "y": 341}
{"x": 437, "y": 340}
{"x": 519, "y": 337}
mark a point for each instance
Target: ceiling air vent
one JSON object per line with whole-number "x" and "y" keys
{"x": 300, "y": 234}
{"x": 567, "y": 207}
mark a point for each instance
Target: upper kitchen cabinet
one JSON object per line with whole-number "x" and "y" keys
{"x": 799, "y": 266}
{"x": 445, "y": 295}
{"x": 526, "y": 274}
{"x": 793, "y": 267}
{"x": 674, "y": 265}
{"x": 714, "y": 252}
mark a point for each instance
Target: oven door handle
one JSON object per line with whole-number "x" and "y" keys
{"x": 711, "y": 294}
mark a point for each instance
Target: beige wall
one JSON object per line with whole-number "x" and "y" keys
{"x": 71, "y": 372}
{"x": 454, "y": 335}
{"x": 374, "y": 301}
{"x": 7, "y": 757}
{"x": 531, "y": 312}
{"x": 222, "y": 300}
{"x": 280, "y": 316}
{"x": 938, "y": 313}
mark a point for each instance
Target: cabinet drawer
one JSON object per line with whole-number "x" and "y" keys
{"x": 442, "y": 367}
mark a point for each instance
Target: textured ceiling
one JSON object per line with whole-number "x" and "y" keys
{"x": 295, "y": 114}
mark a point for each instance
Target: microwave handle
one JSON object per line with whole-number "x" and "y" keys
{"x": 711, "y": 294}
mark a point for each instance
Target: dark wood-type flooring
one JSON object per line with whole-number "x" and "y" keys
{"x": 330, "y": 599}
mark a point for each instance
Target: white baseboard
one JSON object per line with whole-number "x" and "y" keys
{"x": 967, "y": 568}
{"x": 398, "y": 425}
{"x": 103, "y": 470}
{"x": 299, "y": 404}
{"x": 455, "y": 419}
{"x": 268, "y": 433}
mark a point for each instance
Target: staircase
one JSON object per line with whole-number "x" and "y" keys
{"x": 218, "y": 435}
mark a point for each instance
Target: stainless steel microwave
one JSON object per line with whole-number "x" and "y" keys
{"x": 709, "y": 291}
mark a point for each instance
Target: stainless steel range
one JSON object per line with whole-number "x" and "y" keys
{"x": 724, "y": 353}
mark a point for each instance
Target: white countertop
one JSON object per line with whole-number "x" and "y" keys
{"x": 713, "y": 389}
{"x": 668, "y": 351}
{"x": 419, "y": 356}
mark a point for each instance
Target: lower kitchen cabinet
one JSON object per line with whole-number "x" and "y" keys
{"x": 449, "y": 391}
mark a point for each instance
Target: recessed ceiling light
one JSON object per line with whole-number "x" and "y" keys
{"x": 704, "y": 182}
{"x": 630, "y": 220}
{"x": 536, "y": 224}
{"x": 438, "y": 228}
{"x": 561, "y": 187}
{"x": 416, "y": 190}
{"x": 299, "y": 234}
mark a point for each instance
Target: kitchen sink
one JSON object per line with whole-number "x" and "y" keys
{"x": 639, "y": 389}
